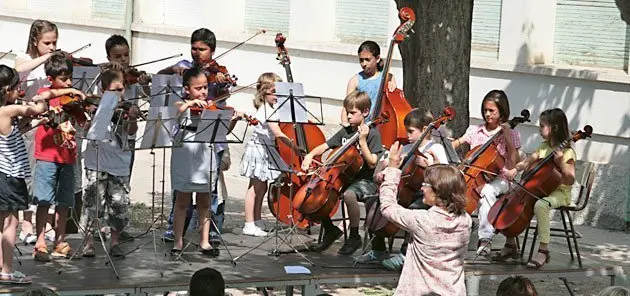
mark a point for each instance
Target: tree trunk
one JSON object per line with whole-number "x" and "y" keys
{"x": 436, "y": 58}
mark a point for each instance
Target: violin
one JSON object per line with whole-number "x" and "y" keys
{"x": 410, "y": 182}
{"x": 394, "y": 102}
{"x": 132, "y": 76}
{"x": 319, "y": 196}
{"x": 306, "y": 137}
{"x": 483, "y": 163}
{"x": 213, "y": 107}
{"x": 511, "y": 214}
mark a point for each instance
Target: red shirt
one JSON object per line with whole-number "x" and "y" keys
{"x": 46, "y": 148}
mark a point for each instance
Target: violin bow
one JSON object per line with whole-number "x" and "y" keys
{"x": 6, "y": 53}
{"x": 158, "y": 60}
{"x": 240, "y": 44}
{"x": 80, "y": 49}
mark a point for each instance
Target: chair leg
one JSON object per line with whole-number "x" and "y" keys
{"x": 343, "y": 219}
{"x": 531, "y": 249}
{"x": 577, "y": 250}
{"x": 566, "y": 233}
{"x": 525, "y": 241}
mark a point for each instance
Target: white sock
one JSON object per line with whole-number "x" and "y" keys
{"x": 250, "y": 224}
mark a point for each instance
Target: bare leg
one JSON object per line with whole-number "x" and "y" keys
{"x": 27, "y": 223}
{"x": 203, "y": 204}
{"x": 182, "y": 201}
{"x": 9, "y": 228}
{"x": 260, "y": 190}
{"x": 41, "y": 218}
{"x": 60, "y": 230}
{"x": 256, "y": 188}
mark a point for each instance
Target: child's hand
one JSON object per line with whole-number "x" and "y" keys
{"x": 391, "y": 85}
{"x": 557, "y": 157}
{"x": 511, "y": 174}
{"x": 306, "y": 163}
{"x": 197, "y": 102}
{"x": 144, "y": 79}
{"x": 221, "y": 78}
{"x": 113, "y": 65}
{"x": 395, "y": 155}
{"x": 364, "y": 130}
{"x": 237, "y": 115}
{"x": 178, "y": 70}
{"x": 76, "y": 92}
{"x": 424, "y": 160}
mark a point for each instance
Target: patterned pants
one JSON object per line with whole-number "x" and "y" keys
{"x": 112, "y": 193}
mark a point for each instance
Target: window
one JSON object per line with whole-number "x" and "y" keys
{"x": 486, "y": 28}
{"x": 271, "y": 15}
{"x": 360, "y": 20}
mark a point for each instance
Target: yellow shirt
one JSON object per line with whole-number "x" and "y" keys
{"x": 568, "y": 154}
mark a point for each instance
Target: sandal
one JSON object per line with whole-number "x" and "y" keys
{"x": 15, "y": 278}
{"x": 537, "y": 265}
{"x": 175, "y": 252}
{"x": 211, "y": 252}
{"x": 484, "y": 247}
{"x": 512, "y": 253}
{"x": 41, "y": 254}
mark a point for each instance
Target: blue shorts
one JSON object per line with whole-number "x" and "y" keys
{"x": 53, "y": 183}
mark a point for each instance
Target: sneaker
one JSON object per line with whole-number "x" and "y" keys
{"x": 373, "y": 256}
{"x": 394, "y": 263}
{"x": 328, "y": 239}
{"x": 62, "y": 250}
{"x": 41, "y": 254}
{"x": 352, "y": 245}
{"x": 116, "y": 251}
{"x": 27, "y": 239}
{"x": 484, "y": 247}
{"x": 254, "y": 231}
{"x": 168, "y": 236}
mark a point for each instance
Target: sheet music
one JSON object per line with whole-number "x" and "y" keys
{"x": 166, "y": 86}
{"x": 161, "y": 126}
{"x": 285, "y": 110}
{"x": 101, "y": 123}
{"x": 212, "y": 121}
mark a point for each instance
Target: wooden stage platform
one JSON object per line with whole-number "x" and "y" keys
{"x": 141, "y": 273}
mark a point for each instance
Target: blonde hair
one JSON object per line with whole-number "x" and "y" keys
{"x": 265, "y": 83}
{"x": 449, "y": 186}
{"x": 357, "y": 99}
{"x": 38, "y": 28}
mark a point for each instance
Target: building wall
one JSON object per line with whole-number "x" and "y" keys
{"x": 323, "y": 36}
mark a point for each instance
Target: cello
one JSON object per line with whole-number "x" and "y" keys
{"x": 410, "y": 183}
{"x": 394, "y": 103}
{"x": 511, "y": 214}
{"x": 319, "y": 196}
{"x": 304, "y": 136}
{"x": 483, "y": 161}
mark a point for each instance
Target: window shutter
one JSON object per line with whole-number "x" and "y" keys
{"x": 270, "y": 15}
{"x": 360, "y": 20}
{"x": 108, "y": 9}
{"x": 590, "y": 33}
{"x": 486, "y": 28}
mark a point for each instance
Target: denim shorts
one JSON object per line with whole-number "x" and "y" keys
{"x": 53, "y": 184}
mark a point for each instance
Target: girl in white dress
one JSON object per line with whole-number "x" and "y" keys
{"x": 256, "y": 163}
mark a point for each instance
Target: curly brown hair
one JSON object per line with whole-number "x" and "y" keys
{"x": 449, "y": 186}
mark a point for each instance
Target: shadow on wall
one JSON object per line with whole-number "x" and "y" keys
{"x": 573, "y": 92}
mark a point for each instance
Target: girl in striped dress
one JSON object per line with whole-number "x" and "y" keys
{"x": 14, "y": 167}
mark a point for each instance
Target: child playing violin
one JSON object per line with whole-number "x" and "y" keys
{"x": 554, "y": 129}
{"x": 56, "y": 153}
{"x": 357, "y": 105}
{"x": 495, "y": 109}
{"x": 368, "y": 80}
{"x": 416, "y": 122}
{"x": 202, "y": 46}
{"x": 107, "y": 173}
{"x": 190, "y": 165}
{"x": 439, "y": 235}
{"x": 256, "y": 163}
{"x": 14, "y": 166}
{"x": 42, "y": 42}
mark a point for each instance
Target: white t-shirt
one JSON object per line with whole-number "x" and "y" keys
{"x": 112, "y": 159}
{"x": 34, "y": 79}
{"x": 262, "y": 133}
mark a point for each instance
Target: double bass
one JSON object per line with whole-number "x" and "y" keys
{"x": 410, "y": 183}
{"x": 319, "y": 196}
{"x": 304, "y": 136}
{"x": 511, "y": 214}
{"x": 483, "y": 162}
{"x": 394, "y": 102}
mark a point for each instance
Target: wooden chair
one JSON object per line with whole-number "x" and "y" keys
{"x": 586, "y": 185}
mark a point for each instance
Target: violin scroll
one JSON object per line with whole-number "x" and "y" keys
{"x": 581, "y": 135}
{"x": 408, "y": 18}
{"x": 283, "y": 55}
{"x": 447, "y": 114}
{"x": 519, "y": 119}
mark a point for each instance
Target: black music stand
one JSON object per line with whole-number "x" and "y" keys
{"x": 290, "y": 109}
{"x": 85, "y": 78}
{"x": 100, "y": 131}
{"x": 214, "y": 127}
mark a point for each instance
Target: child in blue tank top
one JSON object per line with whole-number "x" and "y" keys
{"x": 369, "y": 79}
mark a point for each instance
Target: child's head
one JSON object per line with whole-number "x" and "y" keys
{"x": 357, "y": 104}
{"x": 554, "y": 126}
{"x": 42, "y": 38}
{"x": 516, "y": 286}
{"x": 40, "y": 292}
{"x": 370, "y": 57}
{"x": 614, "y": 291}
{"x": 444, "y": 186}
{"x": 202, "y": 46}
{"x": 207, "y": 282}
{"x": 495, "y": 108}
{"x": 195, "y": 84}
{"x": 416, "y": 122}
{"x": 265, "y": 89}
{"x": 9, "y": 80}
{"x": 112, "y": 80}
{"x": 59, "y": 71}
{"x": 117, "y": 50}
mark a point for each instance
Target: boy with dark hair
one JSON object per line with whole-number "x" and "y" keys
{"x": 207, "y": 282}
{"x": 516, "y": 286}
